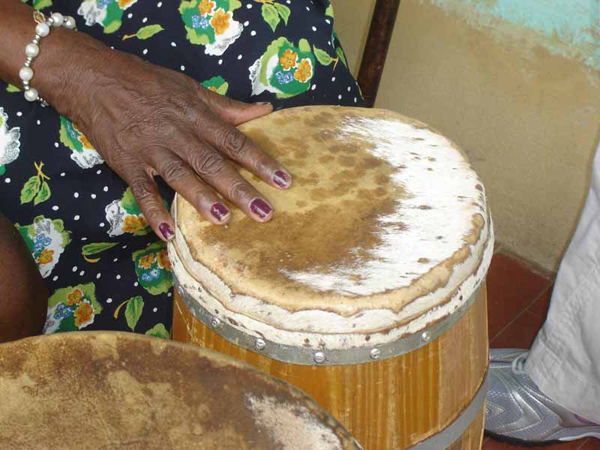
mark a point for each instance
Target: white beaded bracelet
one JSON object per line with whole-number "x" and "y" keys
{"x": 32, "y": 49}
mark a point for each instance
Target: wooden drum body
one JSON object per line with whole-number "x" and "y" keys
{"x": 366, "y": 290}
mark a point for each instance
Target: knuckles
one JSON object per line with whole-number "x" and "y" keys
{"x": 173, "y": 170}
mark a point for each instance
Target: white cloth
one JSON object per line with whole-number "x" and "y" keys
{"x": 565, "y": 359}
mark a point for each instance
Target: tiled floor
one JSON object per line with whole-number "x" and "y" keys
{"x": 518, "y": 300}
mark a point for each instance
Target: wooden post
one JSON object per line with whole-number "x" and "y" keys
{"x": 376, "y": 48}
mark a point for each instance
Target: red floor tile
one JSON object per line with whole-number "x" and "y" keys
{"x": 591, "y": 444}
{"x": 575, "y": 445}
{"x": 512, "y": 287}
{"x": 519, "y": 334}
{"x": 541, "y": 305}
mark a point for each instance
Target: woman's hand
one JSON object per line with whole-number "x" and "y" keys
{"x": 146, "y": 120}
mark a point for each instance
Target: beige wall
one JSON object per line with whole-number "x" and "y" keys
{"x": 529, "y": 119}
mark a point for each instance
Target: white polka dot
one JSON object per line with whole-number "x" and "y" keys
{"x": 307, "y": 8}
{"x": 118, "y": 277}
{"x": 77, "y": 217}
{"x": 55, "y": 208}
{"x": 329, "y": 42}
{"x": 159, "y": 4}
{"x": 340, "y": 97}
{"x": 355, "y": 100}
{"x": 314, "y": 86}
{"x": 19, "y": 113}
{"x": 105, "y": 188}
{"x": 84, "y": 239}
{"x": 144, "y": 20}
{"x": 173, "y": 44}
{"x": 39, "y": 122}
{"x": 349, "y": 88}
{"x": 74, "y": 268}
{"x": 155, "y": 309}
{"x": 56, "y": 144}
{"x": 62, "y": 174}
{"x": 145, "y": 52}
{"x": 182, "y": 67}
{"x": 240, "y": 56}
{"x": 93, "y": 195}
{"x": 249, "y": 6}
{"x": 314, "y": 28}
{"x": 328, "y": 21}
{"x": 289, "y": 2}
{"x": 332, "y": 79}
{"x": 220, "y": 61}
{"x": 253, "y": 33}
{"x": 101, "y": 224}
{"x": 136, "y": 284}
{"x": 82, "y": 273}
{"x": 170, "y": 294}
{"x": 111, "y": 47}
{"x": 98, "y": 276}
{"x": 115, "y": 260}
{"x": 98, "y": 172}
{"x": 124, "y": 247}
{"x": 246, "y": 23}
{"x": 129, "y": 16}
{"x": 76, "y": 194}
{"x": 7, "y": 180}
{"x": 55, "y": 277}
{"x": 108, "y": 300}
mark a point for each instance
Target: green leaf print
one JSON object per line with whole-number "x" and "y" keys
{"x": 271, "y": 15}
{"x": 145, "y": 32}
{"x": 129, "y": 204}
{"x": 30, "y": 189}
{"x": 133, "y": 311}
{"x": 158, "y": 331}
{"x": 216, "y": 84}
{"x": 41, "y": 4}
{"x": 153, "y": 268}
{"x": 43, "y": 194}
{"x": 323, "y": 57}
{"x": 341, "y": 55}
{"x": 283, "y": 11}
{"x": 92, "y": 249}
{"x": 11, "y": 88}
{"x": 329, "y": 10}
{"x": 2, "y": 170}
{"x": 72, "y": 308}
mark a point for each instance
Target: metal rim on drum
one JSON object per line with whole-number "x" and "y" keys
{"x": 322, "y": 357}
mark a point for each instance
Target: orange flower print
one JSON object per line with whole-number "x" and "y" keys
{"x": 147, "y": 261}
{"x": 212, "y": 88}
{"x": 206, "y": 7}
{"x": 125, "y": 3}
{"x": 304, "y": 71}
{"x": 84, "y": 315}
{"x": 74, "y": 297}
{"x": 163, "y": 260}
{"x": 84, "y": 140}
{"x": 46, "y": 256}
{"x": 288, "y": 59}
{"x": 220, "y": 21}
{"x": 264, "y": 1}
{"x": 132, "y": 224}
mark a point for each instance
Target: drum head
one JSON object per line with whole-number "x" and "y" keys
{"x": 95, "y": 390}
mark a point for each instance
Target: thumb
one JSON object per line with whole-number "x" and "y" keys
{"x": 233, "y": 111}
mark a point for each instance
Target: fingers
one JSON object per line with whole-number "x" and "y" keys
{"x": 233, "y": 111}
{"x": 148, "y": 198}
{"x": 238, "y": 147}
{"x": 182, "y": 179}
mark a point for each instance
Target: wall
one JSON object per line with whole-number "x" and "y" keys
{"x": 516, "y": 83}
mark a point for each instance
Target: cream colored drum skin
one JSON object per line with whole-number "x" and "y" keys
{"x": 371, "y": 272}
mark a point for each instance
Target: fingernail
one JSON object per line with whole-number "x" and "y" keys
{"x": 219, "y": 211}
{"x": 260, "y": 208}
{"x": 166, "y": 231}
{"x": 281, "y": 179}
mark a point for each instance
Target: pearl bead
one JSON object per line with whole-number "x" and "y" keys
{"x": 32, "y": 50}
{"x": 57, "y": 19}
{"x": 42, "y": 30}
{"x": 69, "y": 23}
{"x": 26, "y": 73}
{"x": 31, "y": 95}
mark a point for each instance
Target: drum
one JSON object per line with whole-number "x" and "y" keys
{"x": 109, "y": 391}
{"x": 366, "y": 290}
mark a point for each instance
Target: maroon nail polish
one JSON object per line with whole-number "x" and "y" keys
{"x": 260, "y": 208}
{"x": 166, "y": 231}
{"x": 219, "y": 211}
{"x": 281, "y": 179}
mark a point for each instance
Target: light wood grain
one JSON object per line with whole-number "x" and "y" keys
{"x": 389, "y": 404}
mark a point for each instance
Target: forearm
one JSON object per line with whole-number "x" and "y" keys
{"x": 65, "y": 55}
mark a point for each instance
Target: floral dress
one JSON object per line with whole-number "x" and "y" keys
{"x": 104, "y": 267}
